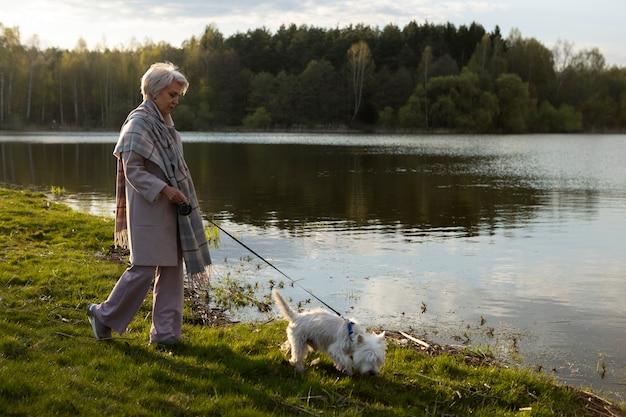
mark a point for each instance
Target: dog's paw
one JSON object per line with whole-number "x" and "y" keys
{"x": 346, "y": 370}
{"x": 286, "y": 347}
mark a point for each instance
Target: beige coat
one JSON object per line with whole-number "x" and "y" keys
{"x": 152, "y": 219}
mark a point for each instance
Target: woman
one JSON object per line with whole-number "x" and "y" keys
{"x": 157, "y": 215}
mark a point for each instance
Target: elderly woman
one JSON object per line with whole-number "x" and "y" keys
{"x": 157, "y": 215}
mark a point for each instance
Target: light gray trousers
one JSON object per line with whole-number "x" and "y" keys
{"x": 130, "y": 291}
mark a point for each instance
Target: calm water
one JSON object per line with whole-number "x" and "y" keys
{"x": 515, "y": 242}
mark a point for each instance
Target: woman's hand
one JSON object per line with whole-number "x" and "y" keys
{"x": 174, "y": 195}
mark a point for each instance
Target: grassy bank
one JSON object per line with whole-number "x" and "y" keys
{"x": 53, "y": 265}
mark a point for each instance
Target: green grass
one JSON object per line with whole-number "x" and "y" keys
{"x": 50, "y": 364}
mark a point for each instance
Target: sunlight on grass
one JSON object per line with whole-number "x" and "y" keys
{"x": 50, "y": 364}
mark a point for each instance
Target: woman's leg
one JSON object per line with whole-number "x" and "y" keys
{"x": 167, "y": 304}
{"x": 126, "y": 297}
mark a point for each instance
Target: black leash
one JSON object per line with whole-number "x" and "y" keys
{"x": 270, "y": 264}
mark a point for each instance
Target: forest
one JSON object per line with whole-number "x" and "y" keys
{"x": 418, "y": 78}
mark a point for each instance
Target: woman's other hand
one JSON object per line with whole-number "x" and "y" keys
{"x": 174, "y": 195}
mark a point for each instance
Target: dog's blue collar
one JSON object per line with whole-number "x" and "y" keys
{"x": 350, "y": 331}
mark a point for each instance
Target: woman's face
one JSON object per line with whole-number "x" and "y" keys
{"x": 167, "y": 98}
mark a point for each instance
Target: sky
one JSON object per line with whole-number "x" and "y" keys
{"x": 116, "y": 23}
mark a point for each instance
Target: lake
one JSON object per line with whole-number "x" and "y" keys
{"x": 512, "y": 243}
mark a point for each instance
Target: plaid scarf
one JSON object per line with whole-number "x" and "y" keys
{"x": 144, "y": 132}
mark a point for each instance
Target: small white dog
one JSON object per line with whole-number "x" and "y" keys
{"x": 345, "y": 342}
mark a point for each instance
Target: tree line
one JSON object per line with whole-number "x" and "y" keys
{"x": 422, "y": 77}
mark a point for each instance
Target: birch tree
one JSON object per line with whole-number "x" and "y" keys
{"x": 361, "y": 68}
{"x": 422, "y": 70}
{"x": 10, "y": 63}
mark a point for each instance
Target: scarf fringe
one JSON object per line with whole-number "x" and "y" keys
{"x": 200, "y": 281}
{"x": 121, "y": 239}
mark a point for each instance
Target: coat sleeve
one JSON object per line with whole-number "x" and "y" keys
{"x": 144, "y": 176}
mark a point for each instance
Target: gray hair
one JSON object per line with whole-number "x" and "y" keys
{"x": 159, "y": 76}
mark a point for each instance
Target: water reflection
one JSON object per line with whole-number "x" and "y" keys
{"x": 524, "y": 233}
{"x": 77, "y": 167}
{"x": 290, "y": 186}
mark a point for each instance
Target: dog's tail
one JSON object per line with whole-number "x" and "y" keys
{"x": 287, "y": 312}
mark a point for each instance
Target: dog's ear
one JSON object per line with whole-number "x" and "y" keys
{"x": 381, "y": 335}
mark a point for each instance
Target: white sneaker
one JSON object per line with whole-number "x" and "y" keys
{"x": 101, "y": 331}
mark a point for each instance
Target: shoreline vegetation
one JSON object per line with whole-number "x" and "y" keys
{"x": 55, "y": 261}
{"x": 307, "y": 129}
